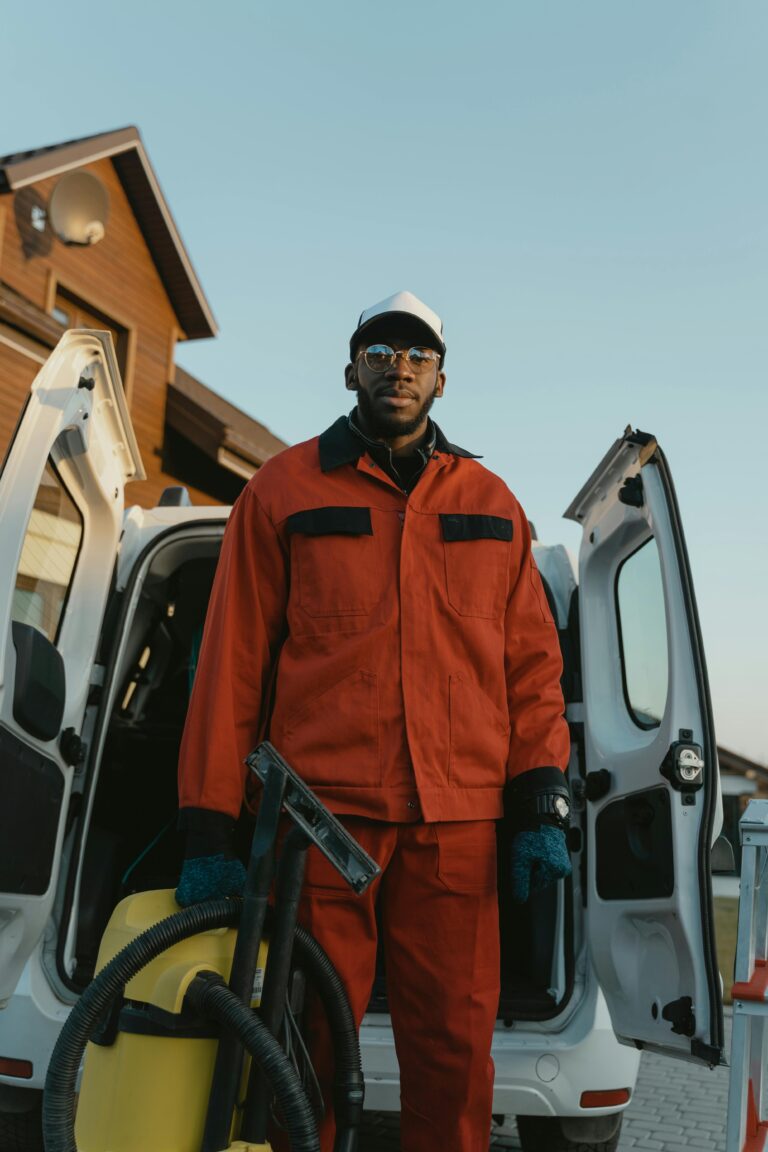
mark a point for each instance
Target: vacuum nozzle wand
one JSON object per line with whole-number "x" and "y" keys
{"x": 314, "y": 819}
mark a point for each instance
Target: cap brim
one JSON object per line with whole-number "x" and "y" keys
{"x": 385, "y": 320}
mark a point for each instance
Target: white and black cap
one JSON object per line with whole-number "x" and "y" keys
{"x": 403, "y": 304}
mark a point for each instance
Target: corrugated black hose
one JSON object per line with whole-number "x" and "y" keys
{"x": 210, "y": 996}
{"x": 349, "y": 1086}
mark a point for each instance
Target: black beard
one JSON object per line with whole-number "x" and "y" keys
{"x": 387, "y": 427}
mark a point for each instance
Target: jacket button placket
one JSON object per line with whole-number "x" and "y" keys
{"x": 405, "y": 622}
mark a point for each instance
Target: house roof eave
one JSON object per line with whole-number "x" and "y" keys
{"x": 124, "y": 147}
{"x": 217, "y": 427}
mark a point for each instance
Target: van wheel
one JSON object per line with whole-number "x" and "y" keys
{"x": 545, "y": 1134}
{"x": 22, "y": 1131}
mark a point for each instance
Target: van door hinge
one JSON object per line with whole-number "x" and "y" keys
{"x": 72, "y": 748}
{"x": 594, "y": 786}
{"x": 680, "y": 1015}
{"x": 708, "y": 1052}
{"x": 597, "y": 784}
{"x": 645, "y": 441}
{"x": 683, "y": 765}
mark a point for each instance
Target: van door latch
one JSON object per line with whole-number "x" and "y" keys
{"x": 683, "y": 765}
{"x": 72, "y": 748}
{"x": 631, "y": 491}
{"x": 680, "y": 1015}
{"x": 594, "y": 787}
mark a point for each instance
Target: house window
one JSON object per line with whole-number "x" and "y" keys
{"x": 73, "y": 312}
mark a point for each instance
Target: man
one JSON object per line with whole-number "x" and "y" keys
{"x": 377, "y": 613}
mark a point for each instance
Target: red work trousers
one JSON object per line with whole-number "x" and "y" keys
{"x": 439, "y": 921}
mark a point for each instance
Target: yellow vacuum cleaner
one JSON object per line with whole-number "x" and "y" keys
{"x": 169, "y": 1022}
{"x": 150, "y": 1065}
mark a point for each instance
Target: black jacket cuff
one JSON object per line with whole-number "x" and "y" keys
{"x": 208, "y": 832}
{"x": 520, "y": 795}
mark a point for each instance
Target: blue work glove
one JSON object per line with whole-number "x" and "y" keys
{"x": 209, "y": 878}
{"x": 211, "y": 871}
{"x": 538, "y": 857}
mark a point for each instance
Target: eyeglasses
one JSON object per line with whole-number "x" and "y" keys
{"x": 380, "y": 357}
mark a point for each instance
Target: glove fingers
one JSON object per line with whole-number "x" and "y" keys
{"x": 544, "y": 875}
{"x": 549, "y": 872}
{"x": 539, "y": 858}
{"x": 209, "y": 878}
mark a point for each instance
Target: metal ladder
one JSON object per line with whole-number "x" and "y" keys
{"x": 747, "y": 1125}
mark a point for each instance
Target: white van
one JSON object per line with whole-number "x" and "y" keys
{"x": 98, "y": 614}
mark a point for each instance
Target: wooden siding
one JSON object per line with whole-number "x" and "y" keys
{"x": 116, "y": 277}
{"x": 17, "y": 371}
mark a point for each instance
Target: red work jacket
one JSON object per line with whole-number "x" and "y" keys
{"x": 398, "y": 650}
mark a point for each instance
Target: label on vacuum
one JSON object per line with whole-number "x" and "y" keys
{"x": 258, "y": 987}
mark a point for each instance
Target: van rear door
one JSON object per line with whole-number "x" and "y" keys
{"x": 61, "y": 509}
{"x": 650, "y": 776}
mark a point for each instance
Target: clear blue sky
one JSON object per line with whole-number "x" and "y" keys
{"x": 579, "y": 188}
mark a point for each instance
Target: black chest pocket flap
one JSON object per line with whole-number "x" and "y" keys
{"x": 476, "y": 562}
{"x": 335, "y": 520}
{"x": 334, "y": 560}
{"x": 472, "y": 526}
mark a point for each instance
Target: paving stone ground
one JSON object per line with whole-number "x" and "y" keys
{"x": 677, "y": 1108}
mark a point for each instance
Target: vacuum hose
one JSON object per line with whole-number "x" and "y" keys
{"x": 209, "y": 994}
{"x": 349, "y": 1086}
{"x": 61, "y": 1080}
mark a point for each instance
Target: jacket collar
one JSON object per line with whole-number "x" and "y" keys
{"x": 340, "y": 445}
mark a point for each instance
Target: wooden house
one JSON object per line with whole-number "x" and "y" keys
{"x": 138, "y": 282}
{"x": 741, "y": 780}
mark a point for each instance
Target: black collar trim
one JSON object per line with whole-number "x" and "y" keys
{"x": 443, "y": 445}
{"x": 340, "y": 445}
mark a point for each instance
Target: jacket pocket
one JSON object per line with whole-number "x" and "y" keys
{"x": 476, "y": 562}
{"x": 333, "y": 738}
{"x": 334, "y": 560}
{"x": 479, "y": 737}
{"x": 466, "y": 855}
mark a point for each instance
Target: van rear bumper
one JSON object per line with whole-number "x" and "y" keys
{"x": 537, "y": 1073}
{"x": 30, "y": 1025}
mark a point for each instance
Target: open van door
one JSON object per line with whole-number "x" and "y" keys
{"x": 650, "y": 776}
{"x": 61, "y": 509}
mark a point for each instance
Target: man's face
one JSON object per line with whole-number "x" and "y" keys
{"x": 394, "y": 404}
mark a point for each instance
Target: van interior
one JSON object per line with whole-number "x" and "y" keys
{"x": 131, "y": 842}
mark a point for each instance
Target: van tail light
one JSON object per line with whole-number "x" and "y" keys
{"x": 21, "y": 1069}
{"x": 608, "y": 1099}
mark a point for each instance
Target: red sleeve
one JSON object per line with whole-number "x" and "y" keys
{"x": 539, "y": 735}
{"x": 241, "y": 641}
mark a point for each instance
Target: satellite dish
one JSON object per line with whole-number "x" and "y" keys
{"x": 78, "y": 208}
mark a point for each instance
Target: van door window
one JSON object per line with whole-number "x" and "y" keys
{"x": 643, "y": 633}
{"x": 48, "y": 557}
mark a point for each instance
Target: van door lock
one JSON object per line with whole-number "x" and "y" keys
{"x": 683, "y": 765}
{"x": 689, "y": 764}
